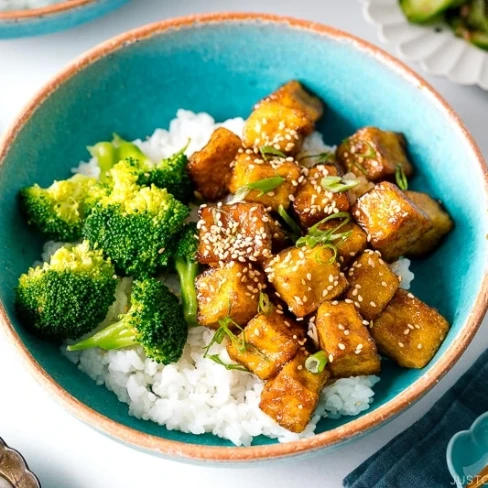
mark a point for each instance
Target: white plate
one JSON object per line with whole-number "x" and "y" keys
{"x": 439, "y": 53}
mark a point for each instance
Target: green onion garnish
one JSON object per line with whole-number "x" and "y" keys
{"x": 264, "y": 186}
{"x": 229, "y": 367}
{"x": 325, "y": 157}
{"x": 336, "y": 184}
{"x": 401, "y": 178}
{"x": 264, "y": 306}
{"x": 326, "y": 238}
{"x": 268, "y": 151}
{"x": 294, "y": 229}
{"x": 239, "y": 342}
{"x": 316, "y": 362}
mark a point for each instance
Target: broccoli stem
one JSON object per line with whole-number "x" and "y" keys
{"x": 187, "y": 271}
{"x": 115, "y": 336}
{"x": 105, "y": 154}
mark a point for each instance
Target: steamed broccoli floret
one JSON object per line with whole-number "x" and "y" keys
{"x": 187, "y": 268}
{"x": 155, "y": 321}
{"x": 69, "y": 296}
{"x": 60, "y": 210}
{"x": 170, "y": 173}
{"x": 134, "y": 227}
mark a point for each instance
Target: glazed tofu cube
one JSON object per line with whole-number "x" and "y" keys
{"x": 442, "y": 224}
{"x": 305, "y": 277}
{"x": 346, "y": 340}
{"x": 292, "y": 396}
{"x": 273, "y": 124}
{"x": 408, "y": 331}
{"x": 374, "y": 153}
{"x": 272, "y": 340}
{"x": 210, "y": 168}
{"x": 353, "y": 244}
{"x": 372, "y": 284}
{"x": 391, "y": 220}
{"x": 249, "y": 168}
{"x": 230, "y": 291}
{"x": 313, "y": 202}
{"x": 238, "y": 232}
{"x": 294, "y": 95}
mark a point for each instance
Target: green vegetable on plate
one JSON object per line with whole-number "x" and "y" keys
{"x": 154, "y": 321}
{"x": 134, "y": 226}
{"x": 69, "y": 296}
{"x": 187, "y": 267}
{"x": 60, "y": 210}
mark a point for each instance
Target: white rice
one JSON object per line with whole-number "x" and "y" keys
{"x": 26, "y": 4}
{"x": 197, "y": 395}
{"x": 402, "y": 269}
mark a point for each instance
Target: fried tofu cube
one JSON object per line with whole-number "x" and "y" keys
{"x": 292, "y": 396}
{"x": 392, "y": 221}
{"x": 372, "y": 284}
{"x": 304, "y": 277}
{"x": 230, "y": 291}
{"x": 350, "y": 246}
{"x": 409, "y": 331}
{"x": 374, "y": 153}
{"x": 272, "y": 340}
{"x": 249, "y": 168}
{"x": 273, "y": 124}
{"x": 442, "y": 224}
{"x": 210, "y": 168}
{"x": 346, "y": 340}
{"x": 313, "y": 202}
{"x": 294, "y": 95}
{"x": 238, "y": 232}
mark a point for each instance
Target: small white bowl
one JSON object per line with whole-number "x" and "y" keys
{"x": 435, "y": 47}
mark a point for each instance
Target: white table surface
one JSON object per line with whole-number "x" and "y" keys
{"x": 64, "y": 452}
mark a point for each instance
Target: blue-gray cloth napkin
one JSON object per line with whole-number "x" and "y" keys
{"x": 417, "y": 457}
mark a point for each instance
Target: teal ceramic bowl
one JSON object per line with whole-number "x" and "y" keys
{"x": 467, "y": 453}
{"x": 223, "y": 64}
{"x": 57, "y": 17}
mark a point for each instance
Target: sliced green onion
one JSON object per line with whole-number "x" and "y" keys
{"x": 316, "y": 362}
{"x": 263, "y": 186}
{"x": 401, "y": 178}
{"x": 267, "y": 151}
{"x": 229, "y": 367}
{"x": 336, "y": 184}
{"x": 326, "y": 238}
{"x": 264, "y": 306}
{"x": 295, "y": 231}
{"x": 266, "y": 184}
{"x": 325, "y": 157}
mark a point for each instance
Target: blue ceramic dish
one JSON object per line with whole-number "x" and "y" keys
{"x": 223, "y": 64}
{"x": 467, "y": 452}
{"x": 57, "y": 17}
